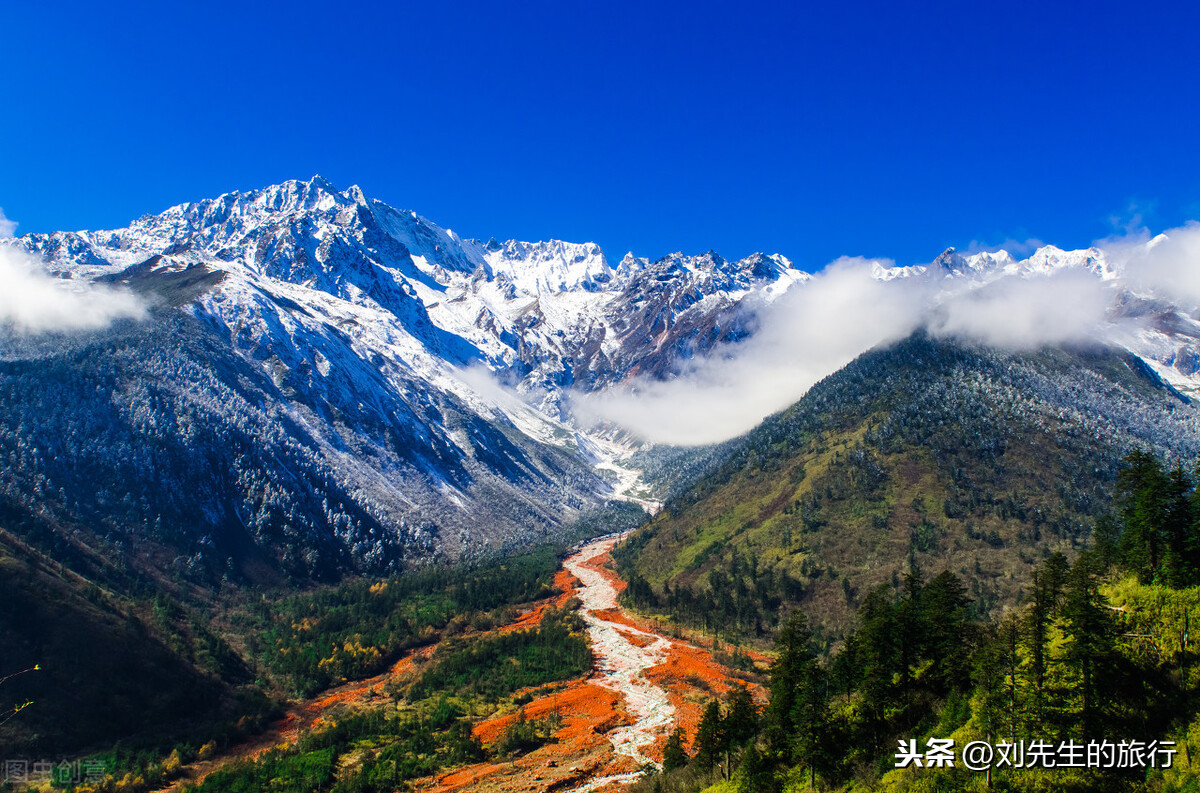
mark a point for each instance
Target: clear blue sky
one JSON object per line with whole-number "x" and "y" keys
{"x": 811, "y": 129}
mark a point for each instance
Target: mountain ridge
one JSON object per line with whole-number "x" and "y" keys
{"x": 438, "y": 374}
{"x": 923, "y": 452}
{"x": 354, "y": 324}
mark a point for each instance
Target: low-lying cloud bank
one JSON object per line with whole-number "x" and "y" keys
{"x": 813, "y": 330}
{"x": 33, "y": 302}
{"x": 822, "y": 325}
{"x": 1167, "y": 265}
{"x": 1022, "y": 313}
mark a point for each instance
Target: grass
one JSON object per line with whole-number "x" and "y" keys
{"x": 841, "y": 490}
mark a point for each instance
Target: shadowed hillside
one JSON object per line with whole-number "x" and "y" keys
{"x": 960, "y": 458}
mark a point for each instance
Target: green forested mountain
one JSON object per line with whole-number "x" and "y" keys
{"x": 114, "y": 660}
{"x": 1089, "y": 685}
{"x": 960, "y": 458}
{"x": 130, "y": 668}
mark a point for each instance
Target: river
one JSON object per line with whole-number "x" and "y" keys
{"x": 621, "y": 664}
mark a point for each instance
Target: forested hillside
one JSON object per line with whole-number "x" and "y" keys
{"x": 130, "y": 671}
{"x": 960, "y": 458}
{"x": 182, "y": 456}
{"x": 1097, "y": 656}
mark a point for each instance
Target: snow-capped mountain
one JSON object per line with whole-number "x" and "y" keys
{"x": 424, "y": 379}
{"x": 425, "y": 373}
{"x": 1160, "y": 330}
{"x": 544, "y": 315}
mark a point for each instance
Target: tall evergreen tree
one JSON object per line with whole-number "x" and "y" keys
{"x": 1046, "y": 591}
{"x": 710, "y": 737}
{"x": 797, "y": 718}
{"x": 949, "y": 633}
{"x": 995, "y": 698}
{"x": 674, "y": 755}
{"x": 878, "y": 644}
{"x": 1141, "y": 497}
{"x": 756, "y": 774}
{"x": 910, "y": 617}
{"x": 741, "y": 720}
{"x": 1090, "y": 636}
{"x": 1178, "y": 555}
{"x": 845, "y": 668}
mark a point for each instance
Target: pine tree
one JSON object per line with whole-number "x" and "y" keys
{"x": 741, "y": 720}
{"x": 1178, "y": 568}
{"x": 1090, "y": 636}
{"x": 674, "y": 755}
{"x": 1046, "y": 591}
{"x": 878, "y": 645}
{"x": 756, "y": 774}
{"x": 992, "y": 706}
{"x": 910, "y": 618}
{"x": 797, "y": 717}
{"x": 948, "y": 631}
{"x": 710, "y": 738}
{"x": 845, "y": 669}
{"x": 1141, "y": 499}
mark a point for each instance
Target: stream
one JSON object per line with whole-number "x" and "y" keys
{"x": 621, "y": 665}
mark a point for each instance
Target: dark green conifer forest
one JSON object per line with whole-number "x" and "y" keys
{"x": 1097, "y": 650}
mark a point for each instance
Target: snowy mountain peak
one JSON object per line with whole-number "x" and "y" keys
{"x": 762, "y": 266}
{"x": 548, "y": 267}
{"x": 301, "y": 260}
{"x": 349, "y": 307}
{"x": 1045, "y": 260}
{"x": 631, "y": 264}
{"x": 1049, "y": 258}
{"x": 949, "y": 259}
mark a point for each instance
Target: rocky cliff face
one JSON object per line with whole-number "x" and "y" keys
{"x": 336, "y": 383}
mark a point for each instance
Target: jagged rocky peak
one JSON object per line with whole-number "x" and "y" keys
{"x": 1044, "y": 261}
{"x": 290, "y": 197}
{"x": 763, "y": 266}
{"x": 950, "y": 261}
{"x": 1049, "y": 258}
{"x": 630, "y": 263}
{"x": 344, "y": 301}
{"x": 549, "y": 266}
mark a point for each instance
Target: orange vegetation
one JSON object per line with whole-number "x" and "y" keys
{"x": 587, "y": 710}
{"x": 301, "y": 718}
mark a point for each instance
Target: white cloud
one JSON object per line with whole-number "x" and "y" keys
{"x": 31, "y": 301}
{"x": 486, "y": 384}
{"x": 820, "y": 326}
{"x": 1022, "y": 313}
{"x": 808, "y": 333}
{"x": 1166, "y": 266}
{"x": 7, "y": 227}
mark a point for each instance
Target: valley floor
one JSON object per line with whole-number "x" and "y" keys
{"x": 612, "y": 723}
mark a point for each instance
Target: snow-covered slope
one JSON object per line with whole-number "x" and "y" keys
{"x": 535, "y": 312}
{"x": 431, "y": 371}
{"x": 1158, "y": 329}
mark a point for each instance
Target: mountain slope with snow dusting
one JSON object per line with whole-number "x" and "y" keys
{"x": 419, "y": 377}
{"x": 394, "y": 390}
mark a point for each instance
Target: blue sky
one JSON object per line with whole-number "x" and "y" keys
{"x": 890, "y": 130}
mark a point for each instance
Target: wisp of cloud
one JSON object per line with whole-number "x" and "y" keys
{"x": 820, "y": 326}
{"x": 1167, "y": 265}
{"x": 1023, "y": 313}
{"x": 7, "y": 227}
{"x": 32, "y": 302}
{"x": 805, "y": 335}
